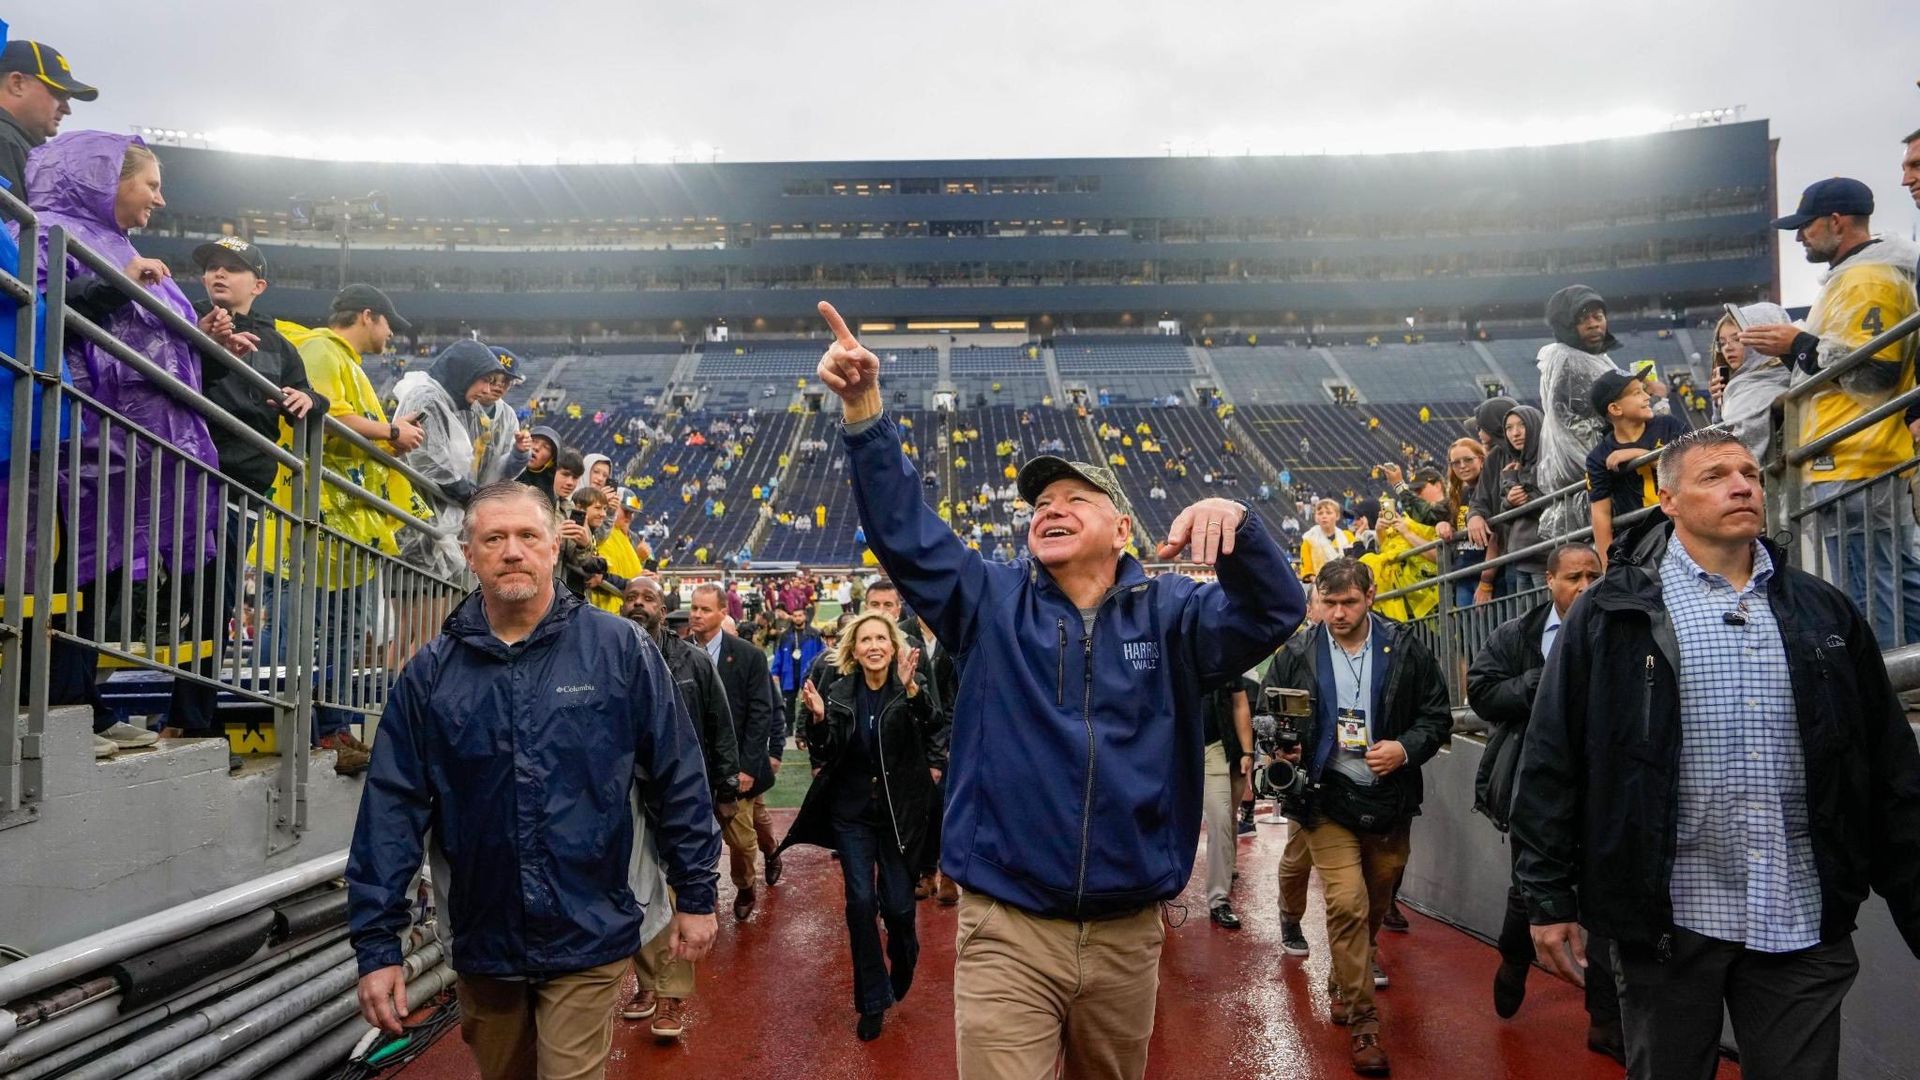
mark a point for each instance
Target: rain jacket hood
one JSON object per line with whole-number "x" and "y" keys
{"x": 458, "y": 365}
{"x": 1491, "y": 416}
{"x": 1565, "y": 306}
{"x": 71, "y": 183}
{"x": 445, "y": 456}
{"x": 1529, "y": 455}
{"x": 1747, "y": 402}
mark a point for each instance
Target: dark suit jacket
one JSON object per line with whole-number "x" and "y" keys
{"x": 749, "y": 686}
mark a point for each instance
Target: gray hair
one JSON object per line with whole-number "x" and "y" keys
{"x": 1667, "y": 471}
{"x": 501, "y": 492}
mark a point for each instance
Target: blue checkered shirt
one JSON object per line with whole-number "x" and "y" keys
{"x": 1743, "y": 864}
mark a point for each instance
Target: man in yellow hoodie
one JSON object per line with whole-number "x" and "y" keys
{"x": 1867, "y": 288}
{"x": 362, "y": 320}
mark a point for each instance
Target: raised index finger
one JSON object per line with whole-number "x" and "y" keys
{"x": 838, "y": 325}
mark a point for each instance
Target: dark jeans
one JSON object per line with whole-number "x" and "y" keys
{"x": 1463, "y": 589}
{"x": 1785, "y": 1008}
{"x": 867, "y": 856}
{"x": 337, "y": 650}
{"x": 192, "y": 705}
{"x": 1516, "y": 947}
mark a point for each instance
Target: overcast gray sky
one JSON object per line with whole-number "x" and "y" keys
{"x": 852, "y": 79}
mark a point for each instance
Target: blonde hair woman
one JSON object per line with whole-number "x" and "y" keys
{"x": 879, "y": 747}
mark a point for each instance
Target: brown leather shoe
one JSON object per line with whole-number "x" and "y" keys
{"x": 949, "y": 892}
{"x": 923, "y": 888}
{"x": 743, "y": 904}
{"x": 642, "y": 1007}
{"x": 671, "y": 1021}
{"x": 1368, "y": 1058}
{"x": 350, "y": 756}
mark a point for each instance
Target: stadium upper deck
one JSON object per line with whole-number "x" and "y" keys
{"x": 1653, "y": 221}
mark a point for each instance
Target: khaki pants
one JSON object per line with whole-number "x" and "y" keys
{"x": 1030, "y": 991}
{"x": 656, "y": 968}
{"x": 1296, "y": 863}
{"x": 749, "y": 830}
{"x": 560, "y": 1029}
{"x": 1357, "y": 870}
{"x": 1222, "y": 815}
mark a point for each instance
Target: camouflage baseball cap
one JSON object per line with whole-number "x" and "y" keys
{"x": 1038, "y": 472}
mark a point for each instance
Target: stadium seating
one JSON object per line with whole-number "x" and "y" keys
{"x": 1103, "y": 357}
{"x": 1268, "y": 374}
{"x": 1413, "y": 373}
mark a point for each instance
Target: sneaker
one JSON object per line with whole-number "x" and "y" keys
{"x": 1379, "y": 976}
{"x": 1292, "y": 941}
{"x": 125, "y": 736}
{"x": 644, "y": 1004}
{"x": 104, "y": 747}
{"x": 351, "y": 756}
{"x": 671, "y": 1021}
{"x": 1244, "y": 827}
{"x": 1246, "y": 813}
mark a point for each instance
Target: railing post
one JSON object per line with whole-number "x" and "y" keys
{"x": 19, "y": 487}
{"x": 46, "y": 484}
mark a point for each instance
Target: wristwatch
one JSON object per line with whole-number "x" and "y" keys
{"x": 393, "y": 433}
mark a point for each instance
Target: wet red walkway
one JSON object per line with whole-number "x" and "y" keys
{"x": 775, "y": 999}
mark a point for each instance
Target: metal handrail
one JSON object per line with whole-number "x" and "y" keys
{"x": 1854, "y": 357}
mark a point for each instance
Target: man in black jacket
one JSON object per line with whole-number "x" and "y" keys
{"x": 663, "y": 984}
{"x": 749, "y": 686}
{"x": 234, "y": 275}
{"x": 1380, "y": 711}
{"x": 1501, "y": 684}
{"x": 1716, "y": 772}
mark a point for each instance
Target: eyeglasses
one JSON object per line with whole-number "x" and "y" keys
{"x": 1462, "y": 460}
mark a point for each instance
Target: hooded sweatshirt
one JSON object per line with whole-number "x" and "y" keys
{"x": 1746, "y": 404}
{"x": 446, "y": 456}
{"x": 542, "y": 478}
{"x": 1860, "y": 296}
{"x": 72, "y": 181}
{"x": 1569, "y": 427}
{"x": 1506, "y": 467}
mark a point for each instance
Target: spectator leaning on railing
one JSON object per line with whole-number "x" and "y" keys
{"x": 98, "y": 187}
{"x": 1867, "y": 288}
{"x": 235, "y": 275}
{"x": 361, "y": 323}
{"x": 1746, "y": 385}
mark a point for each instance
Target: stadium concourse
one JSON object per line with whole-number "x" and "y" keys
{"x": 772, "y": 1000}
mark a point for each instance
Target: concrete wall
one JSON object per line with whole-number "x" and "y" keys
{"x": 1459, "y": 871}
{"x": 151, "y": 829}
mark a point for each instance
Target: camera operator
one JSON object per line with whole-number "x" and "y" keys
{"x": 1378, "y": 712}
{"x": 1226, "y": 723}
{"x": 1501, "y": 685}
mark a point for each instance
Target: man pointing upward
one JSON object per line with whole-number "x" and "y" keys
{"x": 1073, "y": 798}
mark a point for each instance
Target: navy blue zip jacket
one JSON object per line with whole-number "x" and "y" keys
{"x": 522, "y": 760}
{"x": 1075, "y": 781}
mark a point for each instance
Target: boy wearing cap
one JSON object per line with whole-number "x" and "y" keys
{"x": 36, "y": 85}
{"x": 234, "y": 275}
{"x": 1613, "y": 489}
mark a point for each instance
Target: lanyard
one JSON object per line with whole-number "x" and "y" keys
{"x": 1358, "y": 666}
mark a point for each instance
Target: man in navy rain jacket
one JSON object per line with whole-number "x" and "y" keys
{"x": 1074, "y": 793}
{"x": 520, "y": 737}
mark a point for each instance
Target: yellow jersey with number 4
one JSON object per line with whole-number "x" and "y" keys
{"x": 1863, "y": 296}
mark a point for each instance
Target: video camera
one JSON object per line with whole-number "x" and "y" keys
{"x": 1277, "y": 727}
